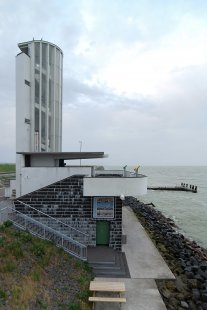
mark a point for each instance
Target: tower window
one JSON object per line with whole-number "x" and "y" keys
{"x": 37, "y": 119}
{"x": 27, "y": 161}
{"x": 27, "y": 82}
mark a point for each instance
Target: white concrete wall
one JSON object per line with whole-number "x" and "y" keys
{"x": 23, "y": 130}
{"x": 19, "y": 165}
{"x": 31, "y": 179}
{"x": 43, "y": 161}
{"x": 8, "y": 190}
{"x": 115, "y": 186}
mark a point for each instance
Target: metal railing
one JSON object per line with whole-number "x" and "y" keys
{"x": 45, "y": 232}
{"x": 120, "y": 173}
{"x": 3, "y": 215}
{"x": 55, "y": 224}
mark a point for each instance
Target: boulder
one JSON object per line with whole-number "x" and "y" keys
{"x": 204, "y": 305}
{"x": 195, "y": 294}
{"x": 180, "y": 285}
{"x": 166, "y": 293}
{"x": 192, "y": 283}
{"x": 184, "y": 304}
{"x": 204, "y": 296}
{"x": 203, "y": 265}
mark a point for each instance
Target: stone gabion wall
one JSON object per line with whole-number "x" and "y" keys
{"x": 64, "y": 200}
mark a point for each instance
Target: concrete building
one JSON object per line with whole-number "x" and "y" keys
{"x": 75, "y": 206}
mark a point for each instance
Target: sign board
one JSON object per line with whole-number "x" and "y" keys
{"x": 103, "y": 207}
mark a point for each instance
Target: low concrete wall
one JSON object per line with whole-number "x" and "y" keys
{"x": 32, "y": 179}
{"x": 114, "y": 186}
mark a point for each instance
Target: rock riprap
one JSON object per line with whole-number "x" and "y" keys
{"x": 186, "y": 259}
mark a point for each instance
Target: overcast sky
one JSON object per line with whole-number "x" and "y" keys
{"x": 135, "y": 76}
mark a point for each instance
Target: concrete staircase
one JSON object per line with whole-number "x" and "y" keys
{"x": 107, "y": 262}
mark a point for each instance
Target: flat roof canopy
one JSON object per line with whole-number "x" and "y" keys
{"x": 66, "y": 155}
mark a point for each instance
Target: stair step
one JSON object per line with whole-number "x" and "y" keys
{"x": 115, "y": 266}
{"x": 113, "y": 274}
{"x": 104, "y": 267}
{"x": 102, "y": 262}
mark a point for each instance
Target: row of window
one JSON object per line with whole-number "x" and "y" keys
{"x": 43, "y": 126}
{"x": 49, "y": 59}
{"x": 45, "y": 59}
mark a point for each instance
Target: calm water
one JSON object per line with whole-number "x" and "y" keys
{"x": 189, "y": 210}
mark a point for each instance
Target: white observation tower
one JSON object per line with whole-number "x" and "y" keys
{"x": 39, "y": 68}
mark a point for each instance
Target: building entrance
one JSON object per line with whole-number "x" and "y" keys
{"x": 102, "y": 232}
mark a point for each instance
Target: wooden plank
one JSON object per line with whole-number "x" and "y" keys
{"x": 107, "y": 299}
{"x": 107, "y": 286}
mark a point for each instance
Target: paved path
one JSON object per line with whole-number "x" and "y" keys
{"x": 145, "y": 265}
{"x": 143, "y": 258}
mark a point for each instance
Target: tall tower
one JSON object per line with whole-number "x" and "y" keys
{"x": 39, "y": 69}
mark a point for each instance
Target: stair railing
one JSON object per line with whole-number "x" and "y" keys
{"x": 3, "y": 214}
{"x": 68, "y": 230}
{"x": 45, "y": 232}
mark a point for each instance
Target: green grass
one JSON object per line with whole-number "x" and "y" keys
{"x": 9, "y": 266}
{"x": 7, "y": 168}
{"x": 3, "y": 296}
{"x": 43, "y": 265}
{"x": 36, "y": 275}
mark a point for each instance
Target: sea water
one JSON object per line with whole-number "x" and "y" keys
{"x": 188, "y": 210}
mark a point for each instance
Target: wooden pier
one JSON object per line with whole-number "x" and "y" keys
{"x": 183, "y": 187}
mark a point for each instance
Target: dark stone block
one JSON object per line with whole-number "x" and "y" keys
{"x": 204, "y": 305}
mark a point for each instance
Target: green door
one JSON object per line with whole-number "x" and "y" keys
{"x": 102, "y": 233}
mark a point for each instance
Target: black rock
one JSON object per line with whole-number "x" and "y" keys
{"x": 198, "y": 277}
{"x": 203, "y": 265}
{"x": 195, "y": 294}
{"x": 204, "y": 297}
{"x": 192, "y": 283}
{"x": 189, "y": 275}
{"x": 203, "y": 274}
{"x": 194, "y": 268}
{"x": 188, "y": 269}
{"x": 192, "y": 305}
{"x": 194, "y": 261}
{"x": 204, "y": 305}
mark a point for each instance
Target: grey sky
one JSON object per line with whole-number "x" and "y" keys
{"x": 135, "y": 76}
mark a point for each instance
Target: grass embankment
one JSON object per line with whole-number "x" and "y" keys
{"x": 4, "y": 178}
{"x": 35, "y": 274}
{"x": 7, "y": 168}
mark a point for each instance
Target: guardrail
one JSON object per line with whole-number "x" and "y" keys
{"x": 54, "y": 223}
{"x": 118, "y": 173}
{"x": 3, "y": 214}
{"x": 45, "y": 232}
